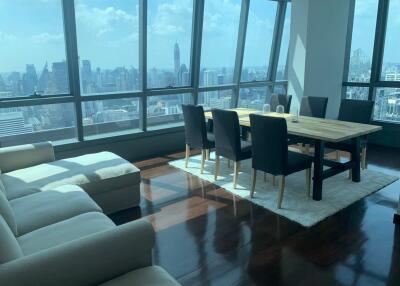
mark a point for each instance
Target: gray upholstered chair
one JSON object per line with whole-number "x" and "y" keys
{"x": 228, "y": 141}
{"x": 196, "y": 135}
{"x": 270, "y": 152}
{"x": 358, "y": 111}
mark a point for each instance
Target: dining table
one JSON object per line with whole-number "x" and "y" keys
{"x": 319, "y": 131}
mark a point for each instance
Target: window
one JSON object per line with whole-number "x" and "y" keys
{"x": 378, "y": 82}
{"x": 362, "y": 43}
{"x": 220, "y": 35}
{"x": 356, "y": 92}
{"x": 36, "y": 56}
{"x": 166, "y": 110}
{"x": 33, "y": 58}
{"x": 254, "y": 98}
{"x": 391, "y": 59}
{"x": 260, "y": 31}
{"x": 281, "y": 73}
{"x": 387, "y": 105}
{"x": 108, "y": 45}
{"x": 30, "y": 124}
{"x": 215, "y": 99}
{"x": 110, "y": 117}
{"x": 169, "y": 43}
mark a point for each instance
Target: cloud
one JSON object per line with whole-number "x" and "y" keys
{"x": 220, "y": 24}
{"x": 101, "y": 21}
{"x": 46, "y": 38}
{"x": 7, "y": 37}
{"x": 173, "y": 18}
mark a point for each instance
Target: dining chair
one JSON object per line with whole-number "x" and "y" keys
{"x": 271, "y": 153}
{"x": 196, "y": 135}
{"x": 228, "y": 142}
{"x": 311, "y": 106}
{"x": 357, "y": 111}
{"x": 280, "y": 99}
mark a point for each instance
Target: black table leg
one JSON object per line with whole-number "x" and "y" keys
{"x": 318, "y": 170}
{"x": 355, "y": 157}
{"x": 396, "y": 219}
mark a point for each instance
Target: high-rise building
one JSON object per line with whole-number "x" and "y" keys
{"x": 60, "y": 77}
{"x": 12, "y": 123}
{"x": 177, "y": 58}
{"x": 30, "y": 80}
{"x": 210, "y": 79}
{"x": 44, "y": 80}
{"x": 86, "y": 76}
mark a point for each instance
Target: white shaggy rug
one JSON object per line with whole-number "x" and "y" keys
{"x": 338, "y": 191}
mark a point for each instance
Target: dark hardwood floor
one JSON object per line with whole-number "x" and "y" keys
{"x": 202, "y": 239}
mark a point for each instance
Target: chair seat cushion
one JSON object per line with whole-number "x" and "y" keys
{"x": 64, "y": 231}
{"x": 95, "y": 173}
{"x": 147, "y": 276}
{"x": 297, "y": 162}
{"x": 45, "y": 208}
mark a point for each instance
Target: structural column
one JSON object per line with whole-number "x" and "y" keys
{"x": 318, "y": 35}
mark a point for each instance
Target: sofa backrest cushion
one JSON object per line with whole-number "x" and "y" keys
{"x": 9, "y": 247}
{"x": 7, "y": 213}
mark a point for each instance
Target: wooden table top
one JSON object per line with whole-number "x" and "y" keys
{"x": 310, "y": 127}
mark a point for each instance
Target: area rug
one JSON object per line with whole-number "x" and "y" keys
{"x": 338, "y": 191}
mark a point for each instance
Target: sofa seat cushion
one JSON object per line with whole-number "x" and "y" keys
{"x": 42, "y": 209}
{"x": 64, "y": 231}
{"x": 147, "y": 276}
{"x": 95, "y": 173}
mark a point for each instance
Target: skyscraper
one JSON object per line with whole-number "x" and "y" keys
{"x": 30, "y": 80}
{"x": 60, "y": 77}
{"x": 177, "y": 58}
{"x": 86, "y": 76}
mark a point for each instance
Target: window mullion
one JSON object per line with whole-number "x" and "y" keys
{"x": 73, "y": 61}
{"x": 241, "y": 43}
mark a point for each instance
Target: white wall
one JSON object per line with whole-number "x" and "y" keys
{"x": 317, "y": 50}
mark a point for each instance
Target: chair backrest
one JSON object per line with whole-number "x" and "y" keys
{"x": 358, "y": 111}
{"x": 227, "y": 133}
{"x": 195, "y": 125}
{"x": 313, "y": 106}
{"x": 280, "y": 99}
{"x": 269, "y": 144}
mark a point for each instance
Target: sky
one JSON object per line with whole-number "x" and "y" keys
{"x": 107, "y": 32}
{"x": 364, "y": 29}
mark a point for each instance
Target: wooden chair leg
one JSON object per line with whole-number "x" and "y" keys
{"x": 364, "y": 158}
{"x": 307, "y": 149}
{"x": 308, "y": 182}
{"x": 337, "y": 155}
{"x": 281, "y": 190}
{"x": 217, "y": 159}
{"x": 203, "y": 158}
{"x": 253, "y": 181}
{"x": 208, "y": 154}
{"x": 236, "y": 168}
{"x": 187, "y": 155}
{"x": 350, "y": 172}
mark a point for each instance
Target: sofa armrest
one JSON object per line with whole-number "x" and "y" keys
{"x": 88, "y": 261}
{"x": 23, "y": 156}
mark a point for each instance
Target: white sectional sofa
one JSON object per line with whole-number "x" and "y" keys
{"x": 52, "y": 231}
{"x": 108, "y": 179}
